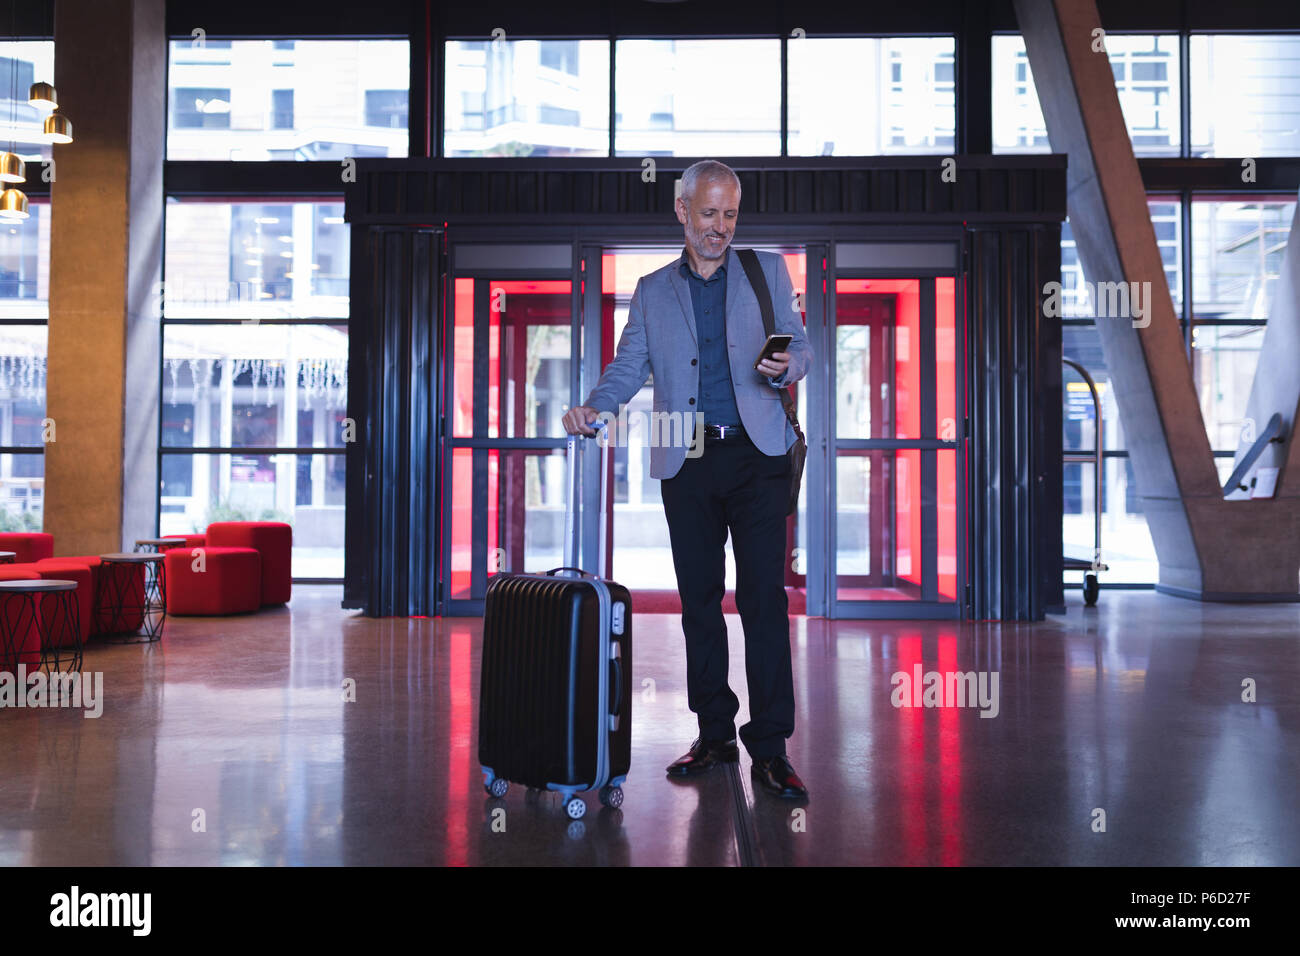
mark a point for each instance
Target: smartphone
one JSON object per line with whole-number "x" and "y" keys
{"x": 776, "y": 342}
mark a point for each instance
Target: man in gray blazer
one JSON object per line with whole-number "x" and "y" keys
{"x": 695, "y": 325}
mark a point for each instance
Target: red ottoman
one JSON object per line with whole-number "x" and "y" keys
{"x": 27, "y": 546}
{"x": 20, "y": 622}
{"x": 212, "y": 581}
{"x": 273, "y": 541}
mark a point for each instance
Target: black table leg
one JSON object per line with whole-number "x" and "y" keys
{"x": 66, "y": 617}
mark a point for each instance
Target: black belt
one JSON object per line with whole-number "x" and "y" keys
{"x": 724, "y": 432}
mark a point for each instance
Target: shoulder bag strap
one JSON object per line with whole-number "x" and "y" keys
{"x": 758, "y": 282}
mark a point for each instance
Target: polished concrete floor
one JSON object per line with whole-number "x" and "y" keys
{"x": 231, "y": 743}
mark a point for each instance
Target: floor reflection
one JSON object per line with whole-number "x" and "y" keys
{"x": 314, "y": 736}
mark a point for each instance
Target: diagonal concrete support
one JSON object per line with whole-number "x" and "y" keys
{"x": 1208, "y": 548}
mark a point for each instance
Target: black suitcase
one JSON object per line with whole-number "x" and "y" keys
{"x": 555, "y": 691}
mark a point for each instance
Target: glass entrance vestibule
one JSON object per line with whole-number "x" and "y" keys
{"x": 526, "y": 331}
{"x": 486, "y": 297}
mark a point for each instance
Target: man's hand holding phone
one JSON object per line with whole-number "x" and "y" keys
{"x": 774, "y": 360}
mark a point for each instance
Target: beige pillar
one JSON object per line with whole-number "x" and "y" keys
{"x": 105, "y": 257}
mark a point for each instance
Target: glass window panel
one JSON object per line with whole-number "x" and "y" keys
{"x": 669, "y": 98}
{"x": 25, "y": 265}
{"x": 1237, "y": 250}
{"x": 1146, "y": 69}
{"x": 461, "y": 538}
{"x": 946, "y": 558}
{"x": 1082, "y": 344}
{"x": 22, "y": 384}
{"x": 857, "y": 501}
{"x": 1077, "y": 300}
{"x": 23, "y": 62}
{"x": 224, "y": 386}
{"x": 1245, "y": 95}
{"x": 902, "y": 93}
{"x": 945, "y": 357}
{"x": 255, "y": 260}
{"x": 877, "y": 360}
{"x": 462, "y": 408}
{"x": 523, "y": 525}
{"x": 526, "y": 98}
{"x": 1126, "y": 543}
{"x": 528, "y": 347}
{"x": 306, "y": 491}
{"x": 643, "y": 553}
{"x": 525, "y": 509}
{"x": 22, "y": 492}
{"x": 1224, "y": 358}
{"x": 878, "y": 505}
{"x": 1126, "y": 547}
{"x": 258, "y": 100}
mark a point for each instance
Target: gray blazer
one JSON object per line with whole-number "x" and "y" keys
{"x": 659, "y": 339}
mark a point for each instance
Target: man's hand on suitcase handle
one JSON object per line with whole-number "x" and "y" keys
{"x": 578, "y": 419}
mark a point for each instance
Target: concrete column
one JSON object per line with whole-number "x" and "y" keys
{"x": 1208, "y": 548}
{"x": 101, "y": 474}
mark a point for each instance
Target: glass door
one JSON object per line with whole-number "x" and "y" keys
{"x": 508, "y": 348}
{"x": 639, "y": 551}
{"x": 895, "y": 431}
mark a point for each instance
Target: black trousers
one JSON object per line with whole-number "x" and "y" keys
{"x": 734, "y": 487}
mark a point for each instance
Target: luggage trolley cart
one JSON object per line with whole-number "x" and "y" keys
{"x": 1089, "y": 568}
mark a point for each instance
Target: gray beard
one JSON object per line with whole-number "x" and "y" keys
{"x": 703, "y": 250}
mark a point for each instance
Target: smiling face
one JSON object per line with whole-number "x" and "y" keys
{"x": 710, "y": 217}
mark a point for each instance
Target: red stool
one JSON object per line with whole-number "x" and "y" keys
{"x": 273, "y": 541}
{"x": 212, "y": 581}
{"x": 69, "y": 569}
{"x": 20, "y": 639}
{"x": 131, "y": 594}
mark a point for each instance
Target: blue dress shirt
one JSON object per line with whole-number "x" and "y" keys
{"x": 717, "y": 399}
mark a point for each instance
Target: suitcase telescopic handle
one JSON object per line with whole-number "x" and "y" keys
{"x": 571, "y": 505}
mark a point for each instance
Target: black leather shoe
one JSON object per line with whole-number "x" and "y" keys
{"x": 777, "y": 776}
{"x": 704, "y": 755}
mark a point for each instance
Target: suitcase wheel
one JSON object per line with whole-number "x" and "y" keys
{"x": 611, "y": 796}
{"x": 497, "y": 787}
{"x": 575, "y": 808}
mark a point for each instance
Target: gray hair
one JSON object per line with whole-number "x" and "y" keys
{"x": 708, "y": 170}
